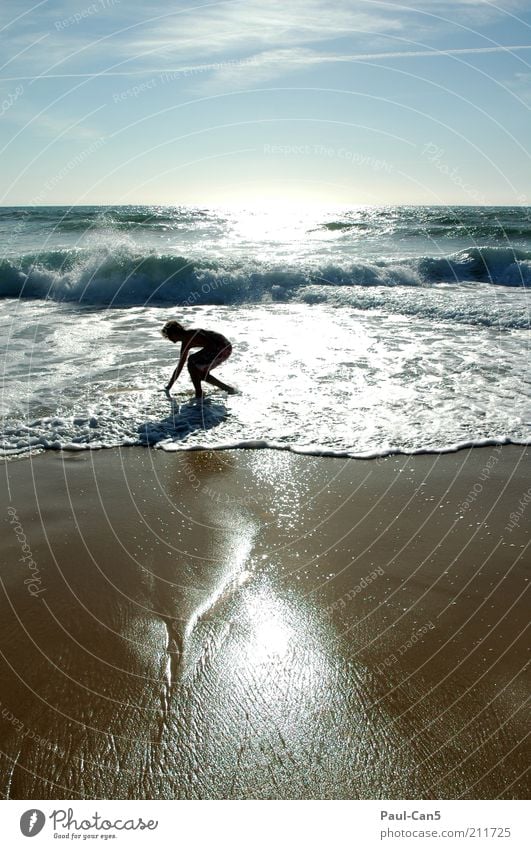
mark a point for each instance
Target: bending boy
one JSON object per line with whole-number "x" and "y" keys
{"x": 215, "y": 349}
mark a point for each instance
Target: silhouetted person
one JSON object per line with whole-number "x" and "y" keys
{"x": 215, "y": 349}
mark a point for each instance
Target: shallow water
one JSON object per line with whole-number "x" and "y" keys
{"x": 357, "y": 332}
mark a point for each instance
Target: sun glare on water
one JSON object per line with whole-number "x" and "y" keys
{"x": 278, "y": 220}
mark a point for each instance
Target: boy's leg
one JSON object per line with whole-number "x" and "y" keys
{"x": 215, "y": 382}
{"x": 219, "y": 357}
{"x": 196, "y": 379}
{"x": 200, "y": 365}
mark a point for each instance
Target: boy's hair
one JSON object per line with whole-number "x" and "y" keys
{"x": 172, "y": 327}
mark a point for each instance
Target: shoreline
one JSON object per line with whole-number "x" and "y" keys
{"x": 264, "y": 445}
{"x": 264, "y": 624}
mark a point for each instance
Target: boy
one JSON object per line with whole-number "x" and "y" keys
{"x": 215, "y": 349}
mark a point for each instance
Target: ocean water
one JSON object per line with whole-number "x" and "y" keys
{"x": 356, "y": 332}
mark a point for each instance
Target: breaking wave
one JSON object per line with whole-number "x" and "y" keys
{"x": 123, "y": 277}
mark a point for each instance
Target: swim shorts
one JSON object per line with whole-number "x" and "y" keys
{"x": 208, "y": 358}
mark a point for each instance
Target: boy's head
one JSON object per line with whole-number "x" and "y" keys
{"x": 173, "y": 331}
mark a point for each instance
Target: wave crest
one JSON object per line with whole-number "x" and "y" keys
{"x": 124, "y": 277}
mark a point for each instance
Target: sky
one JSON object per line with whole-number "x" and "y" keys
{"x": 260, "y": 101}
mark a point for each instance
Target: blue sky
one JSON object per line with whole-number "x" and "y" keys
{"x": 246, "y": 101}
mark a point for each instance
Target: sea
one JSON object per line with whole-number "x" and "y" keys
{"x": 356, "y": 331}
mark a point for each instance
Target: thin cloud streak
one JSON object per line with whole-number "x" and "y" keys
{"x": 307, "y": 60}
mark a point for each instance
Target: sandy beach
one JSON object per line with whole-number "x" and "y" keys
{"x": 261, "y": 624}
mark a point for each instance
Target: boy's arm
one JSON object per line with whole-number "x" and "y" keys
{"x": 185, "y": 347}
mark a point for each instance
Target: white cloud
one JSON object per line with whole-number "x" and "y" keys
{"x": 272, "y": 35}
{"x": 44, "y": 124}
{"x": 267, "y": 66}
{"x": 249, "y": 26}
{"x": 521, "y": 85}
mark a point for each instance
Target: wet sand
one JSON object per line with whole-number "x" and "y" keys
{"x": 257, "y": 624}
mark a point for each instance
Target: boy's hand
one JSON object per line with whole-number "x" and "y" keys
{"x": 167, "y": 391}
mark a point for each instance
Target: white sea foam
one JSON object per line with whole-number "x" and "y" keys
{"x": 341, "y": 382}
{"x": 121, "y": 275}
{"x": 356, "y": 332}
